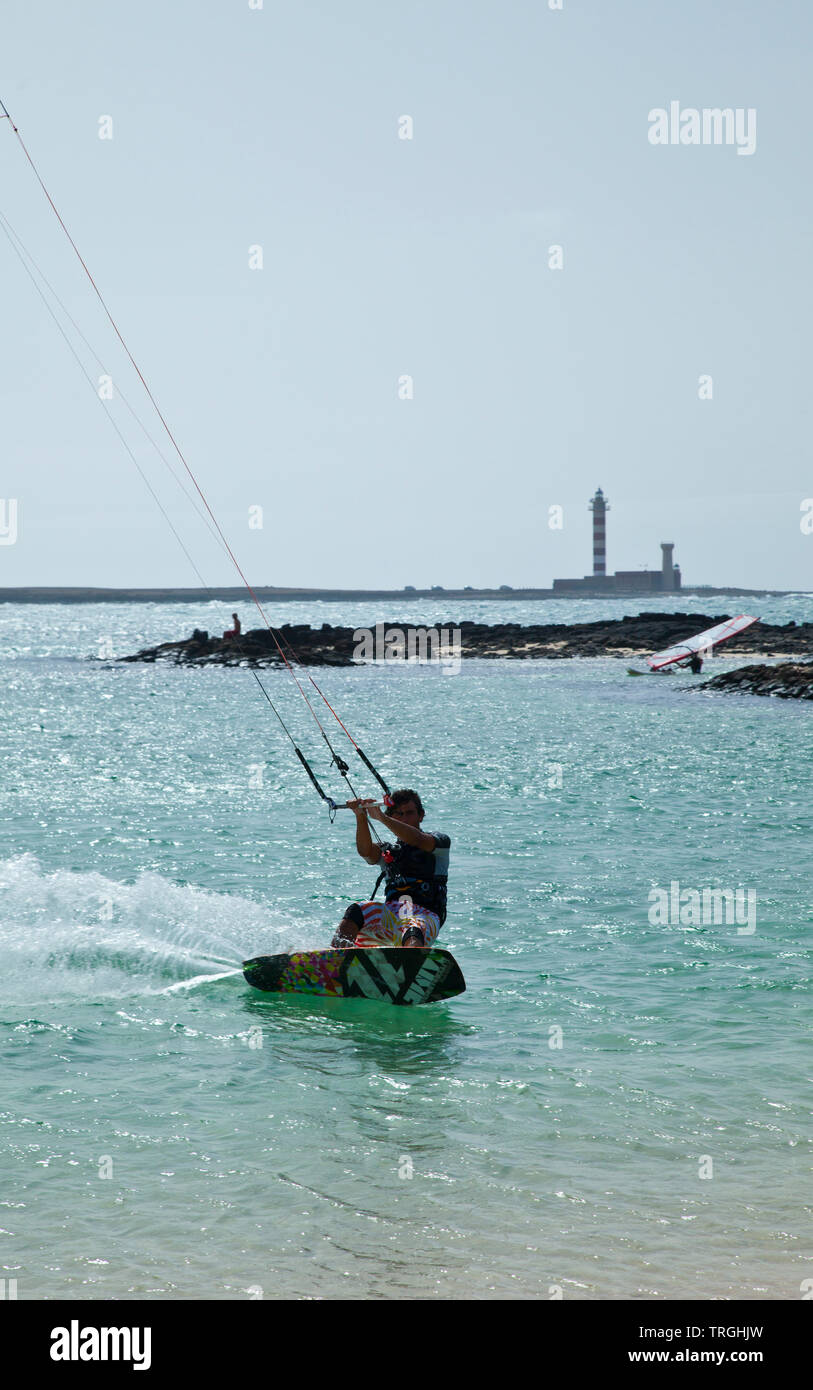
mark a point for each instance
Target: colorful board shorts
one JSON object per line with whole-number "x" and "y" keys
{"x": 385, "y": 923}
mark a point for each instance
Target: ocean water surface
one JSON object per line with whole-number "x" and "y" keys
{"x": 618, "y": 1107}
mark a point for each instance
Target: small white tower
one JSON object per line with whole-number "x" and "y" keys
{"x": 667, "y": 566}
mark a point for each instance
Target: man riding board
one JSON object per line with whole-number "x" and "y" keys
{"x": 415, "y": 869}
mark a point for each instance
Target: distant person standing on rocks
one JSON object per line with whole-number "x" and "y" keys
{"x": 235, "y": 631}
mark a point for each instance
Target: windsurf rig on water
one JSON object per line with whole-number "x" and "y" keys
{"x": 701, "y": 642}
{"x": 208, "y": 515}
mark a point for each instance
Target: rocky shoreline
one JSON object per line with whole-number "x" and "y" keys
{"x": 787, "y": 681}
{"x": 620, "y": 637}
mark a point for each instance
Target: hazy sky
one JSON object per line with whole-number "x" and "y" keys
{"x": 385, "y": 258}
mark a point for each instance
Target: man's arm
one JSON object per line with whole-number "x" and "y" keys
{"x": 410, "y": 834}
{"x": 370, "y": 852}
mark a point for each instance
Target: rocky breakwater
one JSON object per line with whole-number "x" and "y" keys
{"x": 620, "y": 637}
{"x": 787, "y": 681}
{"x": 325, "y": 646}
{"x": 630, "y": 636}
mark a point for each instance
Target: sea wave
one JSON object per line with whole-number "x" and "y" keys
{"x": 79, "y": 933}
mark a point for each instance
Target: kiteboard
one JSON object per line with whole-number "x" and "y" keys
{"x": 390, "y": 974}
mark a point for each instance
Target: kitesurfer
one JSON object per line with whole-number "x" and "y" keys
{"x": 415, "y": 869}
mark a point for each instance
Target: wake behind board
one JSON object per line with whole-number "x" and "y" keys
{"x": 391, "y": 974}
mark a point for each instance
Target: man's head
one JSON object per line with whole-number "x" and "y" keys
{"x": 406, "y": 806}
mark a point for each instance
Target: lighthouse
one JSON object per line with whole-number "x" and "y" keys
{"x": 641, "y": 581}
{"x": 599, "y": 506}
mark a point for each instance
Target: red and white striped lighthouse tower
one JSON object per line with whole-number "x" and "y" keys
{"x": 599, "y": 506}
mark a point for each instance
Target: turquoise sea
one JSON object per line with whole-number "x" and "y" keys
{"x": 615, "y": 1109}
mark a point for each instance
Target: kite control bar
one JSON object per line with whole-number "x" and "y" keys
{"x": 334, "y": 806}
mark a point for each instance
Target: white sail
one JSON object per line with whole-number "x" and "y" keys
{"x": 701, "y": 642}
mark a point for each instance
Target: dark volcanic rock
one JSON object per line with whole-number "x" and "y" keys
{"x": 257, "y": 647}
{"x": 629, "y": 636}
{"x": 787, "y": 681}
